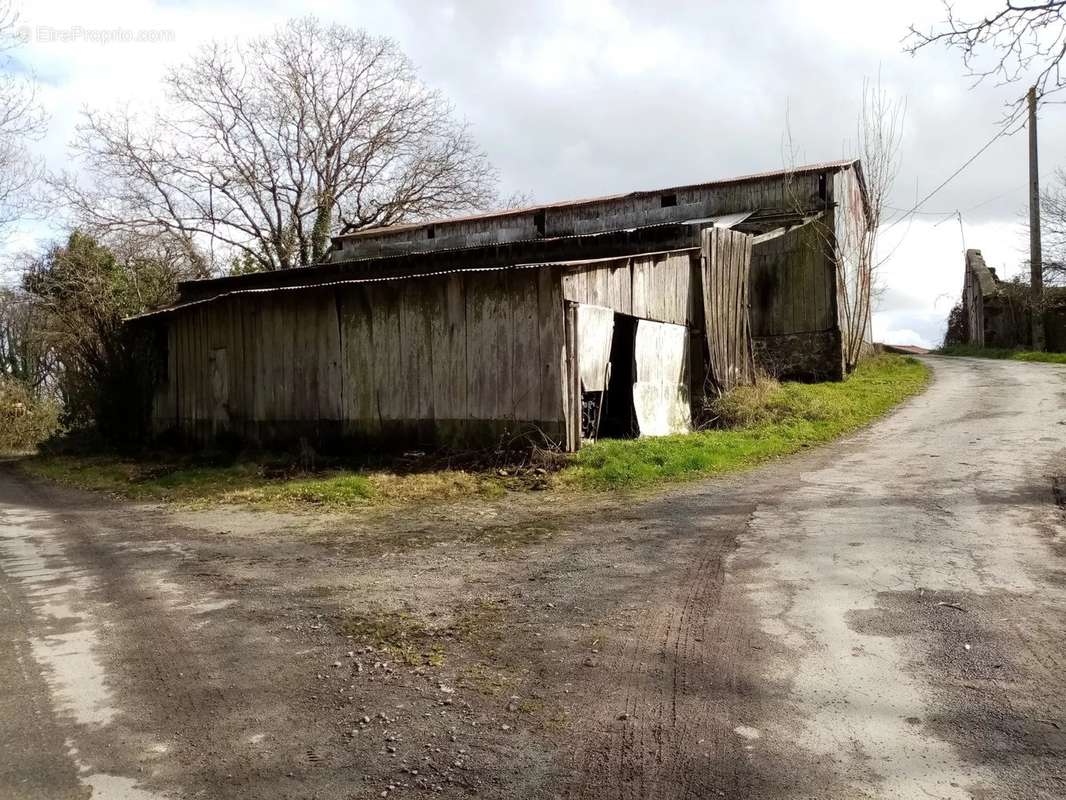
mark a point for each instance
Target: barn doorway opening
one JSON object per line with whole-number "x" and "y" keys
{"x": 618, "y": 419}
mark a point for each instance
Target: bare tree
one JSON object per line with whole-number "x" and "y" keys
{"x": 852, "y": 242}
{"x": 22, "y": 122}
{"x": 1053, "y": 229}
{"x": 266, "y": 149}
{"x": 1024, "y": 40}
{"x": 879, "y": 136}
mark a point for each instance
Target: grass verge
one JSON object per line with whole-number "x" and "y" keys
{"x": 759, "y": 422}
{"x": 1002, "y": 353}
{"x": 249, "y": 484}
{"x": 765, "y": 421}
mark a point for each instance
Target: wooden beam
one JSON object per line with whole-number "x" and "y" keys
{"x": 777, "y": 233}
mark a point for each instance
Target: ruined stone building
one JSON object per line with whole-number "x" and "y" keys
{"x": 997, "y": 314}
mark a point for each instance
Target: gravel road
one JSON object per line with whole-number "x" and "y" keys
{"x": 880, "y": 618}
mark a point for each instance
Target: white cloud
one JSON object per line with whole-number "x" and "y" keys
{"x": 579, "y": 99}
{"x": 905, "y": 336}
{"x": 921, "y": 278}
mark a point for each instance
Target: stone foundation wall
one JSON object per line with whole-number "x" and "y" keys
{"x": 815, "y": 356}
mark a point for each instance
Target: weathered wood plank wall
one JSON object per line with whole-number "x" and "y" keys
{"x": 657, "y": 286}
{"x": 637, "y": 209}
{"x": 792, "y": 283}
{"x": 726, "y": 259}
{"x": 453, "y": 359}
{"x": 461, "y": 357}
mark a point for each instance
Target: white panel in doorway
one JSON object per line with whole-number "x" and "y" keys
{"x": 595, "y": 328}
{"x": 660, "y": 394}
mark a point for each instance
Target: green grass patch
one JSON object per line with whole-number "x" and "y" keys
{"x": 398, "y": 633}
{"x": 418, "y": 642}
{"x": 198, "y": 486}
{"x": 764, "y": 421}
{"x": 757, "y": 423}
{"x": 1006, "y": 353}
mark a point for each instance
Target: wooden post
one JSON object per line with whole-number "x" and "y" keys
{"x": 573, "y": 379}
{"x": 1036, "y": 274}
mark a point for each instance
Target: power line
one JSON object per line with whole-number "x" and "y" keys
{"x": 922, "y": 213}
{"x": 1005, "y": 130}
{"x": 944, "y": 213}
{"x": 992, "y": 199}
{"x": 914, "y": 209}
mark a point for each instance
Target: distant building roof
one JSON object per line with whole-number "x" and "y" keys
{"x": 910, "y": 349}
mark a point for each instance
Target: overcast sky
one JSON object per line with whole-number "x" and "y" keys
{"x": 589, "y": 97}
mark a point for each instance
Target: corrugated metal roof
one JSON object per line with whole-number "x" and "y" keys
{"x": 390, "y": 278}
{"x": 509, "y": 243}
{"x": 801, "y": 170}
{"x": 720, "y": 221}
{"x": 332, "y": 273}
{"x": 306, "y": 273}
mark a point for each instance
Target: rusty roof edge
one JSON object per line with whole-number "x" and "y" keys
{"x": 470, "y": 248}
{"x": 474, "y": 248}
{"x": 512, "y": 212}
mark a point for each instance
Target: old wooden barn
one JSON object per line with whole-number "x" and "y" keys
{"x": 611, "y": 316}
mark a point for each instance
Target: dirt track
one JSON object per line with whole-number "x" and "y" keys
{"x": 880, "y": 618}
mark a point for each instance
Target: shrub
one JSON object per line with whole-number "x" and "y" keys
{"x": 25, "y": 420}
{"x": 956, "y": 332}
{"x": 767, "y": 402}
{"x": 744, "y": 405}
{"x": 82, "y": 290}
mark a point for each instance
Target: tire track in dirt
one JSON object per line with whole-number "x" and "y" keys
{"x": 664, "y": 725}
{"x": 186, "y": 692}
{"x": 230, "y": 676}
{"x": 173, "y": 686}
{"x": 693, "y": 700}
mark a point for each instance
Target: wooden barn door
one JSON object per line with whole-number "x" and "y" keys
{"x": 725, "y": 257}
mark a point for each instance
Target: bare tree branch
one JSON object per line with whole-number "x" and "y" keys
{"x": 22, "y": 122}
{"x": 1022, "y": 42}
{"x": 1053, "y": 229}
{"x": 852, "y": 240}
{"x": 266, "y": 149}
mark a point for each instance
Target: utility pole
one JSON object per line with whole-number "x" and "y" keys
{"x": 1036, "y": 271}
